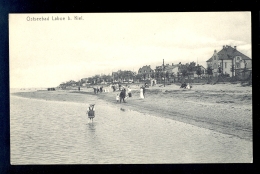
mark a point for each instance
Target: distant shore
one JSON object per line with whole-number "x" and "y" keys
{"x": 226, "y": 108}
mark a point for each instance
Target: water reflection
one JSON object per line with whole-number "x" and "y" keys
{"x": 91, "y": 126}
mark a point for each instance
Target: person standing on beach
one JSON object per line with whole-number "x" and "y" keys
{"x": 91, "y": 112}
{"x": 188, "y": 86}
{"x": 95, "y": 90}
{"x": 129, "y": 91}
{"x": 141, "y": 93}
{"x": 122, "y": 96}
{"x": 125, "y": 94}
{"x": 114, "y": 88}
{"x": 117, "y": 98}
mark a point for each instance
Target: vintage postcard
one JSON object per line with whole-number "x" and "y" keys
{"x": 130, "y": 88}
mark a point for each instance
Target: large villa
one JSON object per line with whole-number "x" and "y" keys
{"x": 228, "y": 57}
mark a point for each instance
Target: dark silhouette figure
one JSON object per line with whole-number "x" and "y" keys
{"x": 122, "y": 96}
{"x": 114, "y": 88}
{"x": 91, "y": 112}
{"x": 183, "y": 85}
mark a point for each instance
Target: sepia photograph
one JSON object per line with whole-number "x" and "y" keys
{"x": 130, "y": 88}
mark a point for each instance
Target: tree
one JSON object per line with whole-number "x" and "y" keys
{"x": 130, "y": 75}
{"x": 157, "y": 74}
{"x": 138, "y": 76}
{"x": 209, "y": 70}
{"x": 219, "y": 70}
{"x": 178, "y": 76}
{"x": 184, "y": 73}
{"x": 191, "y": 68}
{"x": 167, "y": 75}
{"x": 152, "y": 75}
{"x": 183, "y": 70}
{"x": 115, "y": 76}
{"x": 198, "y": 71}
{"x": 104, "y": 78}
{"x": 109, "y": 78}
{"x": 96, "y": 78}
{"x": 161, "y": 75}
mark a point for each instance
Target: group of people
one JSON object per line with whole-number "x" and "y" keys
{"x": 97, "y": 89}
{"x": 116, "y": 87}
{"x": 127, "y": 93}
{"x": 186, "y": 86}
{"x": 124, "y": 94}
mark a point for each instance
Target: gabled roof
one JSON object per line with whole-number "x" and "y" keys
{"x": 227, "y": 53}
{"x": 209, "y": 60}
{"x": 146, "y": 67}
{"x": 202, "y": 67}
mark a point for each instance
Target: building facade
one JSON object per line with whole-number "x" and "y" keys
{"x": 172, "y": 69}
{"x": 145, "y": 72}
{"x": 229, "y": 60}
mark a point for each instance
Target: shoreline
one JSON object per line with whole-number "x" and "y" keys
{"x": 223, "y": 108}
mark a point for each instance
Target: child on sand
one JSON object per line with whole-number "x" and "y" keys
{"x": 117, "y": 98}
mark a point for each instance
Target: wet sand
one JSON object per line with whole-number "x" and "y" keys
{"x": 225, "y": 108}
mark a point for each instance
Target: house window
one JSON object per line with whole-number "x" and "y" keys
{"x": 225, "y": 64}
{"x": 145, "y": 71}
{"x": 238, "y": 58}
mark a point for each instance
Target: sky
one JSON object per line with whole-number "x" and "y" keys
{"x": 47, "y": 53}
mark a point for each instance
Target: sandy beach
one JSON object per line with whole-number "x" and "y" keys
{"x": 225, "y": 108}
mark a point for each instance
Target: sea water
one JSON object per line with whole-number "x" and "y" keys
{"x": 59, "y": 132}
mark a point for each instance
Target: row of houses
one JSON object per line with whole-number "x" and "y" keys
{"x": 172, "y": 71}
{"x": 228, "y": 59}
